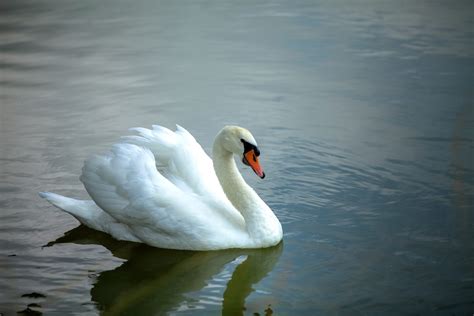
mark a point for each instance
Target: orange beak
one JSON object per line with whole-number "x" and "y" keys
{"x": 252, "y": 160}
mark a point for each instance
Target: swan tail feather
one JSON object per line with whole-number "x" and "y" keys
{"x": 89, "y": 214}
{"x": 82, "y": 210}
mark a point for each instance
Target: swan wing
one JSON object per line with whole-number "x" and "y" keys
{"x": 181, "y": 159}
{"x": 126, "y": 184}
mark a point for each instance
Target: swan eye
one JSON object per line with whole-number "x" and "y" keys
{"x": 248, "y": 147}
{"x": 257, "y": 152}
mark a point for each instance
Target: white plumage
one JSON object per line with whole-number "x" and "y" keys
{"x": 159, "y": 187}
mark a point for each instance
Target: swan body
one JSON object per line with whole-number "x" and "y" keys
{"x": 159, "y": 187}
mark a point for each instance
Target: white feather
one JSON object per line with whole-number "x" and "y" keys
{"x": 159, "y": 187}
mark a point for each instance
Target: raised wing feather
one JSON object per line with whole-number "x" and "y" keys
{"x": 126, "y": 185}
{"x": 181, "y": 159}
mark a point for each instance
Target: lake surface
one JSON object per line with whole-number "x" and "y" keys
{"x": 363, "y": 112}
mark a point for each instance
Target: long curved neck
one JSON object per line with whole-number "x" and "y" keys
{"x": 239, "y": 193}
{"x": 259, "y": 218}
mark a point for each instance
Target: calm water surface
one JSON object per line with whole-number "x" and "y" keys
{"x": 364, "y": 115}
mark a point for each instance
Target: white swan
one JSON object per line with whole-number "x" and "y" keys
{"x": 160, "y": 188}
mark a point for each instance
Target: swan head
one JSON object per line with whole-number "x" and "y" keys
{"x": 241, "y": 143}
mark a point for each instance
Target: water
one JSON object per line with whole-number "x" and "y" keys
{"x": 364, "y": 115}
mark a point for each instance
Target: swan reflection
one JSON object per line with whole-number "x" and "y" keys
{"x": 153, "y": 281}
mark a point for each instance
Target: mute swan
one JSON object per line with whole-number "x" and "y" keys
{"x": 159, "y": 187}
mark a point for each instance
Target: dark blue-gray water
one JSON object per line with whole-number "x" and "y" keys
{"x": 364, "y": 113}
